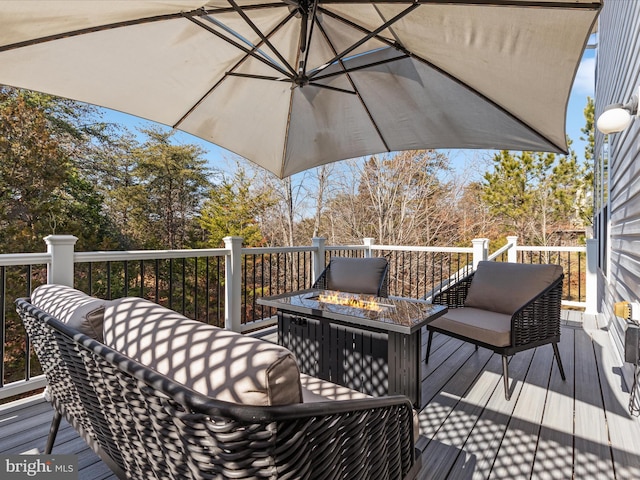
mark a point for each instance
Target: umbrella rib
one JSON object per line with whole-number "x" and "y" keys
{"x": 335, "y": 89}
{"x": 448, "y": 75}
{"x": 239, "y": 46}
{"x": 571, "y": 5}
{"x": 82, "y": 31}
{"x": 361, "y": 67}
{"x": 595, "y": 5}
{"x": 231, "y": 71}
{"x": 355, "y": 26}
{"x": 307, "y": 41}
{"x": 355, "y": 89}
{"x": 368, "y": 36}
{"x": 257, "y": 77}
{"x": 258, "y": 32}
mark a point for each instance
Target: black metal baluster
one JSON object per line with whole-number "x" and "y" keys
{"x": 434, "y": 266}
{"x": 171, "y": 283}
{"x": 243, "y": 310}
{"x": 157, "y": 280}
{"x": 141, "y": 278}
{"x": 580, "y": 276}
{"x": 27, "y": 340}
{"x": 90, "y": 277}
{"x": 109, "y": 281}
{"x": 218, "y": 289}
{"x": 126, "y": 278}
{"x": 184, "y": 285}
{"x": 262, "y": 283}
{"x": 207, "y": 297}
{"x": 195, "y": 288}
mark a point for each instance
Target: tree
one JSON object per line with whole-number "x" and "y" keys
{"x": 534, "y": 194}
{"x": 323, "y": 176}
{"x": 473, "y": 217}
{"x": 287, "y": 211}
{"x": 42, "y": 141}
{"x": 399, "y": 199}
{"x": 111, "y": 168}
{"x": 234, "y": 208}
{"x": 168, "y": 184}
{"x": 586, "y": 195}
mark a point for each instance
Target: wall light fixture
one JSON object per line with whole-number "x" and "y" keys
{"x": 617, "y": 116}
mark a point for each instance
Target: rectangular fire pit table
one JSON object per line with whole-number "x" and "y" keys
{"x": 374, "y": 352}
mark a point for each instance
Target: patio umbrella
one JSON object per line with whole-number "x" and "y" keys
{"x": 292, "y": 84}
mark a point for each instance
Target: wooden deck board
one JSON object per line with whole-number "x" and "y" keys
{"x": 462, "y": 412}
{"x": 517, "y": 451}
{"x": 550, "y": 429}
{"x": 485, "y": 440}
{"x": 554, "y": 454}
{"x": 592, "y": 455}
{"x": 623, "y": 429}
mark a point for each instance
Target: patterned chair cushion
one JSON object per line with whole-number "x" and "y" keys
{"x": 215, "y": 362}
{"x": 73, "y": 307}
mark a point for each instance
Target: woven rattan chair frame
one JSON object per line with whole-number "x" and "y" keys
{"x": 145, "y": 425}
{"x": 534, "y": 324}
{"x": 383, "y": 287}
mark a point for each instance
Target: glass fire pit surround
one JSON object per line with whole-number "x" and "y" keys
{"x": 401, "y": 315}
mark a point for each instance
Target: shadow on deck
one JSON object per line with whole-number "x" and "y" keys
{"x": 580, "y": 428}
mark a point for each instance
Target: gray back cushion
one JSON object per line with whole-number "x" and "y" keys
{"x": 218, "y": 363}
{"x": 506, "y": 287}
{"x": 73, "y": 307}
{"x": 356, "y": 275}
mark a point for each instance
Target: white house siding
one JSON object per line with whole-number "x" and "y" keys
{"x": 617, "y": 79}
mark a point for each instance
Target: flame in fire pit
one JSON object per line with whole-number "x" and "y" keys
{"x": 356, "y": 301}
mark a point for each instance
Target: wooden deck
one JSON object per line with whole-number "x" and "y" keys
{"x": 550, "y": 429}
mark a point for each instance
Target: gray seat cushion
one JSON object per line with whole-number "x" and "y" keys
{"x": 482, "y": 325}
{"x": 318, "y": 390}
{"x": 73, "y": 307}
{"x": 507, "y": 287}
{"x": 356, "y": 275}
{"x": 215, "y": 362}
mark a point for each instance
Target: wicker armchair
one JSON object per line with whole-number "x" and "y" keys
{"x": 505, "y": 307}
{"x": 356, "y": 275}
{"x": 145, "y": 425}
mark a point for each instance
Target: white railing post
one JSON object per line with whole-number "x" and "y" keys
{"x": 60, "y": 269}
{"x": 591, "y": 286}
{"x": 233, "y": 284}
{"x": 368, "y": 242}
{"x": 480, "y": 250}
{"x": 512, "y": 255}
{"x": 318, "y": 256}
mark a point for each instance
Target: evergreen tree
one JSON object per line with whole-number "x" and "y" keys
{"x": 535, "y": 194}
{"x": 234, "y": 208}
{"x": 169, "y": 184}
{"x": 43, "y": 139}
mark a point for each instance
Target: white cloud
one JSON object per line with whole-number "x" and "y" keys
{"x": 585, "y": 78}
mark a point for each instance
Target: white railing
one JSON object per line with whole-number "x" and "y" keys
{"x": 60, "y": 259}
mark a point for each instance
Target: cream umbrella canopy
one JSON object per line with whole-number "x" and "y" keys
{"x": 293, "y": 84}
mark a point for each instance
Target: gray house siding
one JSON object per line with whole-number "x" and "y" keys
{"x": 618, "y": 233}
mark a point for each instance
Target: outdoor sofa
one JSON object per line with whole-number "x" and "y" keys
{"x": 157, "y": 395}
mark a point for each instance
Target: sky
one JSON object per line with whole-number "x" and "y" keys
{"x": 583, "y": 87}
